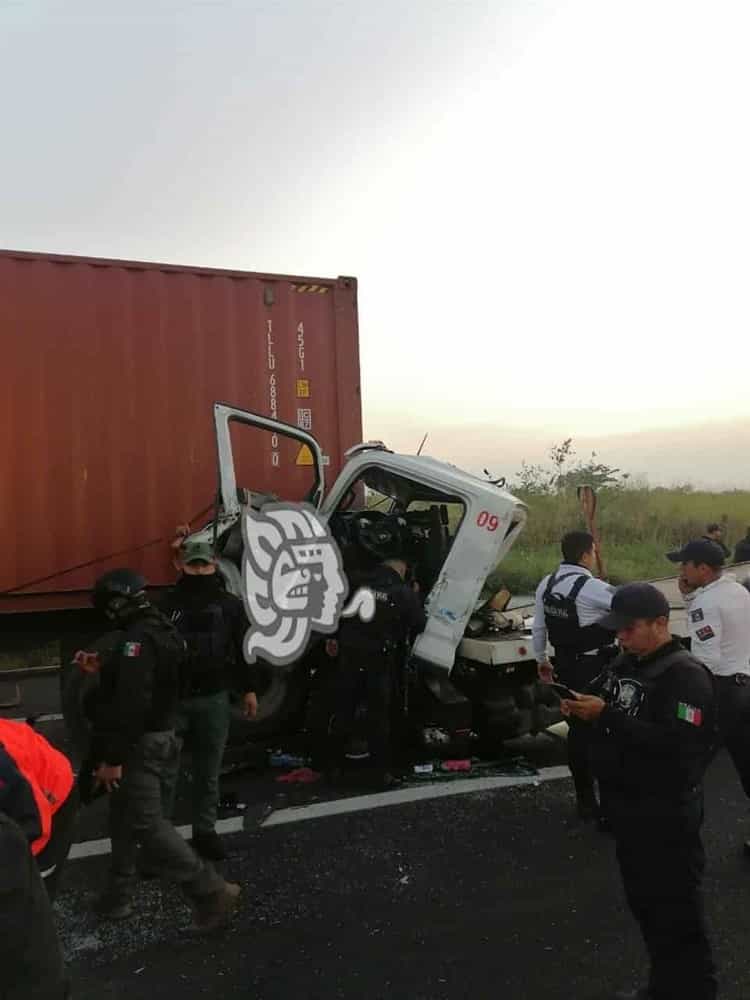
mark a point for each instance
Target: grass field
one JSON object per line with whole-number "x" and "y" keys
{"x": 637, "y": 527}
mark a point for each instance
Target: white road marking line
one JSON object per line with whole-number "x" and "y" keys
{"x": 95, "y": 848}
{"x": 357, "y": 803}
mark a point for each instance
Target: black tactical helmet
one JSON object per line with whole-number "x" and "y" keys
{"x": 116, "y": 589}
{"x": 384, "y": 537}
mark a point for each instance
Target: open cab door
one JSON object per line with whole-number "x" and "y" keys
{"x": 458, "y": 526}
{"x": 232, "y": 498}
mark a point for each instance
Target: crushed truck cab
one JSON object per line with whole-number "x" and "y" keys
{"x": 457, "y": 553}
{"x": 472, "y": 668}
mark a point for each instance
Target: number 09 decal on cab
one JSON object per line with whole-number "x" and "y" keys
{"x": 487, "y": 521}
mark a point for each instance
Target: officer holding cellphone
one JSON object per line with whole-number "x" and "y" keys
{"x": 653, "y": 732}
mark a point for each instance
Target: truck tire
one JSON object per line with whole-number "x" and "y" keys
{"x": 281, "y": 700}
{"x": 280, "y": 708}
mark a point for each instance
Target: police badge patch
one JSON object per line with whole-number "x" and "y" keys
{"x": 630, "y": 696}
{"x": 705, "y": 633}
{"x": 697, "y": 615}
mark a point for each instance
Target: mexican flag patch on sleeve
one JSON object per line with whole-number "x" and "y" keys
{"x": 132, "y": 649}
{"x": 689, "y": 713}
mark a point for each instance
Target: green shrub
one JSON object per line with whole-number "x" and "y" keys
{"x": 637, "y": 527}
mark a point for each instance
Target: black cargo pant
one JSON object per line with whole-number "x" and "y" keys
{"x": 734, "y": 722}
{"x": 363, "y": 675}
{"x": 136, "y": 816}
{"x": 577, "y": 671}
{"x": 661, "y": 858}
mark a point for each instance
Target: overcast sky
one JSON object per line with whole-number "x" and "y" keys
{"x": 546, "y": 204}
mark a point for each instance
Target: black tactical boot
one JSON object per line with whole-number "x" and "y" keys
{"x": 211, "y": 913}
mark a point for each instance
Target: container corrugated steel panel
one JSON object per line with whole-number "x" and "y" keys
{"x": 110, "y": 370}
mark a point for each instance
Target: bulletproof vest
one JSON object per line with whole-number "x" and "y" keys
{"x": 631, "y": 691}
{"x": 385, "y": 630}
{"x": 170, "y": 645}
{"x": 207, "y": 635}
{"x": 564, "y": 629}
{"x": 162, "y": 685}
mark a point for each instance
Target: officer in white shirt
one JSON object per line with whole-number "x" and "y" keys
{"x": 718, "y": 610}
{"x": 569, "y": 603}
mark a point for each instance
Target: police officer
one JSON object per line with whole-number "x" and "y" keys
{"x": 135, "y": 754}
{"x": 213, "y": 625}
{"x": 369, "y": 658}
{"x": 37, "y": 790}
{"x": 653, "y": 733}
{"x": 718, "y": 610}
{"x": 715, "y": 533}
{"x": 570, "y": 604}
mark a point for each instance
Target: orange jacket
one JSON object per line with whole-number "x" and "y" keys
{"x": 46, "y": 771}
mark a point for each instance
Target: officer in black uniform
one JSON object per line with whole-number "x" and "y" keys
{"x": 135, "y": 754}
{"x": 213, "y": 624}
{"x": 369, "y": 658}
{"x": 570, "y": 604}
{"x": 654, "y": 731}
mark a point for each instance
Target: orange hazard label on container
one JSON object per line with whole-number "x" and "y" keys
{"x": 303, "y": 388}
{"x": 304, "y": 456}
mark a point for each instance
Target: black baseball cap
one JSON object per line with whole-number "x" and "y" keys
{"x": 633, "y": 601}
{"x": 700, "y": 550}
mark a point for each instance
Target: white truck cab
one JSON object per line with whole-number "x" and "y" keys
{"x": 457, "y": 529}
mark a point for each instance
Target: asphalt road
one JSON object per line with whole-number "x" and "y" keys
{"x": 495, "y": 893}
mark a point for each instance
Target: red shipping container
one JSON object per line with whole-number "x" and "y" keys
{"x": 109, "y": 373}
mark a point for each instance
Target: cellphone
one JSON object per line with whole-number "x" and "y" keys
{"x": 563, "y": 692}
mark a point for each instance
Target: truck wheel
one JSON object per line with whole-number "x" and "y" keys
{"x": 281, "y": 699}
{"x": 280, "y": 705}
